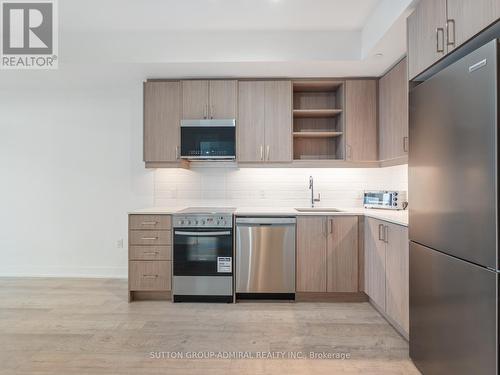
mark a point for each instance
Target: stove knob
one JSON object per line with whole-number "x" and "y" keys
{"x": 223, "y": 222}
{"x": 217, "y": 222}
{"x": 181, "y": 222}
{"x": 189, "y": 222}
{"x": 196, "y": 222}
{"x": 203, "y": 222}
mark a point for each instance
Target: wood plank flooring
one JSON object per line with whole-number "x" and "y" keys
{"x": 86, "y": 326}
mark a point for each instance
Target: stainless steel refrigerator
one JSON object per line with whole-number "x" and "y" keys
{"x": 453, "y": 226}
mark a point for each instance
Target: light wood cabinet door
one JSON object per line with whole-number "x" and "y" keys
{"x": 223, "y": 99}
{"x": 375, "y": 261}
{"x": 397, "y": 285}
{"x": 393, "y": 113}
{"x": 426, "y": 35}
{"x": 251, "y": 121}
{"x": 342, "y": 254}
{"x": 467, "y": 18}
{"x": 195, "y": 100}
{"x": 361, "y": 120}
{"x": 278, "y": 121}
{"x": 311, "y": 254}
{"x": 161, "y": 121}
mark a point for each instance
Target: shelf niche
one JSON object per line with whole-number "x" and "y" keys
{"x": 318, "y": 120}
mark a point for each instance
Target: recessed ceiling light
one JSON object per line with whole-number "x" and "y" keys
{"x": 379, "y": 54}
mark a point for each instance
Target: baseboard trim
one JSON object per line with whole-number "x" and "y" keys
{"x": 391, "y": 321}
{"x": 58, "y": 271}
{"x": 331, "y": 297}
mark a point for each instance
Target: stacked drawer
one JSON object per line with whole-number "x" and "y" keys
{"x": 150, "y": 254}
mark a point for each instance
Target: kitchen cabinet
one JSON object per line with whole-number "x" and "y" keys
{"x": 466, "y": 18}
{"x": 251, "y": 121}
{"x": 361, "y": 120}
{"x": 437, "y": 27}
{"x": 426, "y": 35}
{"x": 386, "y": 270}
{"x": 161, "y": 121}
{"x": 265, "y": 121}
{"x": 327, "y": 254}
{"x": 195, "y": 100}
{"x": 311, "y": 254}
{"x": 393, "y": 112}
{"x": 214, "y": 99}
{"x": 278, "y": 121}
{"x": 342, "y": 254}
{"x": 375, "y": 261}
{"x": 397, "y": 277}
{"x": 150, "y": 256}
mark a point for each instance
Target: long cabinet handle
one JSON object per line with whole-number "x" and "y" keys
{"x": 405, "y": 144}
{"x": 349, "y": 151}
{"x": 149, "y": 223}
{"x": 449, "y": 22}
{"x": 439, "y": 30}
{"x": 177, "y": 152}
{"x": 386, "y": 234}
{"x": 380, "y": 232}
{"x": 150, "y": 276}
{"x": 331, "y": 226}
{"x": 212, "y": 110}
{"x": 325, "y": 228}
{"x": 151, "y": 252}
{"x": 149, "y": 238}
{"x": 261, "y": 152}
{"x": 268, "y": 151}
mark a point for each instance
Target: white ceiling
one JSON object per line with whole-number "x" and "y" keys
{"x": 114, "y": 42}
{"x": 91, "y": 15}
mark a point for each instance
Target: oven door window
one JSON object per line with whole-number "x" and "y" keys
{"x": 197, "y": 253}
{"x": 208, "y": 141}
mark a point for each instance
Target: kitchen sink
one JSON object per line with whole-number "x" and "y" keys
{"x": 318, "y": 209}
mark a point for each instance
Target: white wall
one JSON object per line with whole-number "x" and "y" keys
{"x": 275, "y": 187}
{"x": 70, "y": 166}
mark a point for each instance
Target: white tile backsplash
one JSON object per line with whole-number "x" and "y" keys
{"x": 267, "y": 187}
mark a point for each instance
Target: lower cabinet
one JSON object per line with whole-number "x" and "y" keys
{"x": 327, "y": 254}
{"x": 150, "y": 255}
{"x": 386, "y": 269}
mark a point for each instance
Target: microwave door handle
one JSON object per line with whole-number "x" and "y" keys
{"x": 201, "y": 234}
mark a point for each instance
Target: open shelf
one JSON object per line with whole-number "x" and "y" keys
{"x": 318, "y": 120}
{"x": 316, "y": 86}
{"x": 316, "y": 134}
{"x": 314, "y": 113}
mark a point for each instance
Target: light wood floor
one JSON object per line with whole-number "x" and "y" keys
{"x": 86, "y": 326}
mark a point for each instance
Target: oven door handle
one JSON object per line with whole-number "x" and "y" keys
{"x": 200, "y": 234}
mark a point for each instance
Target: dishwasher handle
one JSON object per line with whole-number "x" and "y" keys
{"x": 266, "y": 221}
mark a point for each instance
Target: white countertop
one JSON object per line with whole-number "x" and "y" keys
{"x": 396, "y": 217}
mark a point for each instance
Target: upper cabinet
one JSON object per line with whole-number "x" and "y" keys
{"x": 436, "y": 27}
{"x": 426, "y": 35}
{"x": 161, "y": 121}
{"x": 467, "y": 17}
{"x": 393, "y": 113}
{"x": 361, "y": 120}
{"x": 203, "y": 99}
{"x": 318, "y": 120}
{"x": 264, "y": 121}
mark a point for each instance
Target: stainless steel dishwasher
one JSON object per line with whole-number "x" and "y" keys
{"x": 265, "y": 257}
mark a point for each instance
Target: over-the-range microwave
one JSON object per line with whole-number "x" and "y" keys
{"x": 391, "y": 200}
{"x": 210, "y": 139}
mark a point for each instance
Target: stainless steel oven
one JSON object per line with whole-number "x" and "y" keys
{"x": 203, "y": 256}
{"x": 208, "y": 139}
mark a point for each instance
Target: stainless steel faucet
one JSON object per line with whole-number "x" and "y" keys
{"x": 311, "y": 187}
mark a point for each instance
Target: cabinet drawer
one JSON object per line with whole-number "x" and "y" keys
{"x": 150, "y": 222}
{"x": 150, "y": 253}
{"x": 150, "y": 237}
{"x": 150, "y": 275}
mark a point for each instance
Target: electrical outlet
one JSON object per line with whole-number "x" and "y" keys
{"x": 119, "y": 243}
